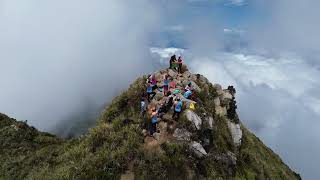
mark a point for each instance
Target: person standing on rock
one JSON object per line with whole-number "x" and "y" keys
{"x": 166, "y": 85}
{"x": 177, "y": 109}
{"x": 180, "y": 62}
{"x": 173, "y": 60}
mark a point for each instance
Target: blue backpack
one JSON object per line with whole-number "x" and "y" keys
{"x": 154, "y": 119}
{"x": 178, "y": 107}
{"x": 187, "y": 94}
{"x": 149, "y": 89}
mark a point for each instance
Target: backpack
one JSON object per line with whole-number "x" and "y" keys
{"x": 192, "y": 106}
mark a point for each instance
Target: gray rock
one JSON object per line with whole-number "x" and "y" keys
{"x": 195, "y": 86}
{"x": 144, "y": 132}
{"x": 216, "y": 101}
{"x": 172, "y": 73}
{"x": 158, "y": 76}
{"x": 203, "y": 79}
{"x": 186, "y": 75}
{"x": 210, "y": 122}
{"x": 218, "y": 88}
{"x": 236, "y": 133}
{"x": 222, "y": 111}
{"x": 182, "y": 134}
{"x": 198, "y": 149}
{"x": 193, "y": 117}
{"x": 193, "y": 77}
{"x": 14, "y": 127}
{"x": 227, "y": 95}
{"x": 157, "y": 136}
{"x": 232, "y": 157}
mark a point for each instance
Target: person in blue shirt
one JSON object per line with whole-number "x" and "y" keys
{"x": 177, "y": 109}
{"x": 166, "y": 85}
{"x": 153, "y": 123}
{"x": 150, "y": 92}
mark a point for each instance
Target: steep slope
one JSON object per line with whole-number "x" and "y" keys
{"x": 207, "y": 143}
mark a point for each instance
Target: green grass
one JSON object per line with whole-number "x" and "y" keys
{"x": 108, "y": 149}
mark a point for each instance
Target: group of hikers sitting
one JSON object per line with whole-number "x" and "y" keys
{"x": 171, "y": 97}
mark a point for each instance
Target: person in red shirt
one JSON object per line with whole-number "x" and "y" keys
{"x": 180, "y": 62}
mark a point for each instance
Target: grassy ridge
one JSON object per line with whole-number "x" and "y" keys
{"x": 111, "y": 147}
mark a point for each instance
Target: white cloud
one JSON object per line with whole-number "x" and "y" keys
{"x": 58, "y": 56}
{"x": 277, "y": 98}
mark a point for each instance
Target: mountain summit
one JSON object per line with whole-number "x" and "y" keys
{"x": 207, "y": 140}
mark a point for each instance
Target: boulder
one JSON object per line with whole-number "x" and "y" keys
{"x": 182, "y": 134}
{"x": 158, "y": 76}
{"x": 144, "y": 132}
{"x": 193, "y": 117}
{"x": 236, "y": 133}
{"x": 198, "y": 149}
{"x": 216, "y": 101}
{"x": 157, "y": 136}
{"x": 203, "y": 79}
{"x": 210, "y": 122}
{"x": 163, "y": 126}
{"x": 232, "y": 157}
{"x": 227, "y": 95}
{"x": 218, "y": 88}
{"x": 172, "y": 73}
{"x": 195, "y": 86}
{"x": 193, "y": 77}
{"x": 186, "y": 75}
{"x": 222, "y": 111}
{"x": 184, "y": 68}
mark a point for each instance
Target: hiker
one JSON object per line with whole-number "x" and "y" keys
{"x": 177, "y": 109}
{"x": 173, "y": 60}
{"x": 153, "y": 80}
{"x": 187, "y": 94}
{"x": 143, "y": 107}
{"x": 172, "y": 84}
{"x": 188, "y": 87}
{"x": 161, "y": 110}
{"x": 150, "y": 92}
{"x": 169, "y": 101}
{"x": 153, "y": 123}
{"x": 180, "y": 62}
{"x": 165, "y": 85}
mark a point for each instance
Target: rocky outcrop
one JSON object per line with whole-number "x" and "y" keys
{"x": 222, "y": 111}
{"x": 193, "y": 117}
{"x": 210, "y": 122}
{"x": 236, "y": 133}
{"x": 182, "y": 134}
{"x": 198, "y": 149}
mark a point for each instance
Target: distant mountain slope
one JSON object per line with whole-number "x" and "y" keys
{"x": 206, "y": 143}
